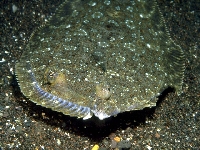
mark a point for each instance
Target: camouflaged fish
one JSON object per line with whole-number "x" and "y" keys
{"x": 100, "y": 57}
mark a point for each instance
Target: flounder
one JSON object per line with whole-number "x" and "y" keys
{"x": 100, "y": 57}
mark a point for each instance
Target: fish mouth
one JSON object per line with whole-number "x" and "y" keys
{"x": 100, "y": 114}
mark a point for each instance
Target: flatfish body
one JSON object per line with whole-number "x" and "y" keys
{"x": 102, "y": 58}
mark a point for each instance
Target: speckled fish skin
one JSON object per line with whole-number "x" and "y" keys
{"x": 102, "y": 58}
